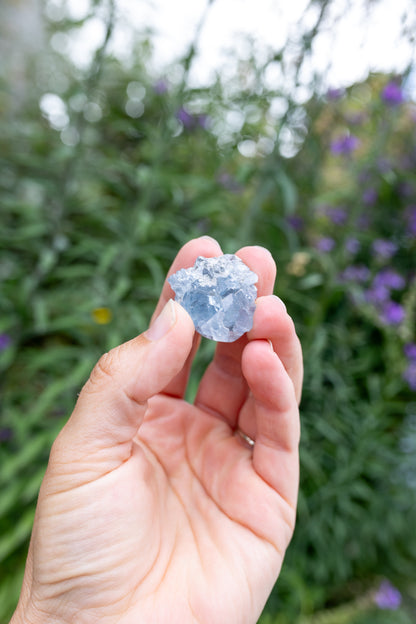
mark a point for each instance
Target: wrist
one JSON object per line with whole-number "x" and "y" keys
{"x": 17, "y": 617}
{"x": 28, "y": 615}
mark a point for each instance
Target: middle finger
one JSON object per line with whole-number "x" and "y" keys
{"x": 223, "y": 389}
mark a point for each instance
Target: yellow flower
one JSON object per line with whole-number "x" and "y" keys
{"x": 298, "y": 263}
{"x": 102, "y": 316}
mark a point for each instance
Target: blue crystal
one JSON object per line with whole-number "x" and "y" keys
{"x": 219, "y": 295}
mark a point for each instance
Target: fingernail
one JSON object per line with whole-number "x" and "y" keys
{"x": 282, "y": 302}
{"x": 163, "y": 323}
{"x": 263, "y": 249}
{"x": 210, "y": 239}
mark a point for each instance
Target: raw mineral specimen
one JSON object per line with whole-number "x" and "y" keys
{"x": 219, "y": 295}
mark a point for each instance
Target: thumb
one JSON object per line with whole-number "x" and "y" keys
{"x": 112, "y": 403}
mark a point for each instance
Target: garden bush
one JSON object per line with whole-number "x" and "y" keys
{"x": 101, "y": 182}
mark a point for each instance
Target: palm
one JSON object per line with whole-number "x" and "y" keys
{"x": 216, "y": 535}
{"x": 184, "y": 523}
{"x": 192, "y": 530}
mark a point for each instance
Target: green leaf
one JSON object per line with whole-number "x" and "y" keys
{"x": 16, "y": 536}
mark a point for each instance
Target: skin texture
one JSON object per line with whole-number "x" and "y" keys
{"x": 155, "y": 510}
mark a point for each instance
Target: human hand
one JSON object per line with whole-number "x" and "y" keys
{"x": 153, "y": 510}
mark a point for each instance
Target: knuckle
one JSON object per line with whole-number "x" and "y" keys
{"x": 104, "y": 372}
{"x": 56, "y": 448}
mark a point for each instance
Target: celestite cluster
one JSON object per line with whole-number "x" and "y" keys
{"x": 219, "y": 295}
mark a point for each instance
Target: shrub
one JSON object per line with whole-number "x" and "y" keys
{"x": 94, "y": 209}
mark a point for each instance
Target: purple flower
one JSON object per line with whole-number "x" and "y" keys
{"x": 186, "y": 118}
{"x": 161, "y": 86}
{"x": 5, "y": 434}
{"x": 378, "y": 293}
{"x": 295, "y": 222}
{"x": 229, "y": 183}
{"x": 190, "y": 121}
{"x": 392, "y": 94}
{"x": 325, "y": 244}
{"x": 409, "y": 375}
{"x": 392, "y": 313}
{"x": 355, "y": 119}
{"x": 5, "y": 341}
{"x": 388, "y": 596}
{"x": 390, "y": 279}
{"x": 356, "y": 273}
{"x": 352, "y": 245}
{"x": 336, "y": 215}
{"x": 410, "y": 351}
{"x": 410, "y": 216}
{"x": 384, "y": 249}
{"x": 334, "y": 94}
{"x": 370, "y": 197}
{"x": 345, "y": 145}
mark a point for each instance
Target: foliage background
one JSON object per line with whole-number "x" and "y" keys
{"x": 106, "y": 171}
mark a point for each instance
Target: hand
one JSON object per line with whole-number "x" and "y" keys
{"x": 153, "y": 510}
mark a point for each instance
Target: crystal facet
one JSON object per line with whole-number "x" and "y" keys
{"x": 219, "y": 295}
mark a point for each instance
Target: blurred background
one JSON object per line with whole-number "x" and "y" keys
{"x": 127, "y": 128}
